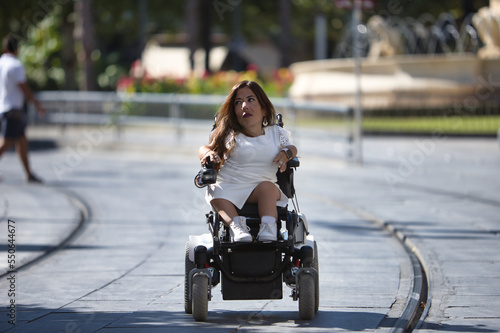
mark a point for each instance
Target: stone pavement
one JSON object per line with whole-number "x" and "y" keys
{"x": 442, "y": 194}
{"x": 124, "y": 271}
{"x": 41, "y": 217}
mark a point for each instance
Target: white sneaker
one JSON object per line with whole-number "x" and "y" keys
{"x": 268, "y": 232}
{"x": 239, "y": 231}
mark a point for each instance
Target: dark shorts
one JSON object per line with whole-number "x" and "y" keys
{"x": 13, "y": 124}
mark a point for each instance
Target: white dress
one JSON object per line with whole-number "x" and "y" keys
{"x": 249, "y": 163}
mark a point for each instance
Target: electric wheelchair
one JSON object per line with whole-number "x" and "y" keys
{"x": 257, "y": 270}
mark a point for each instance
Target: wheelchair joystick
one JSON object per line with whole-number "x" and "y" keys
{"x": 206, "y": 176}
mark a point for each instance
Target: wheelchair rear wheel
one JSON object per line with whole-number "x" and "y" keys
{"x": 189, "y": 265}
{"x": 316, "y": 267}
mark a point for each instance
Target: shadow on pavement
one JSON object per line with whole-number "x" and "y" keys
{"x": 41, "y": 144}
{"x": 47, "y": 320}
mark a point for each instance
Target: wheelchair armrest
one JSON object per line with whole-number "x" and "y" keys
{"x": 285, "y": 178}
{"x": 293, "y": 163}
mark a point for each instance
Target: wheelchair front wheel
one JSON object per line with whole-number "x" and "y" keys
{"x": 200, "y": 297}
{"x": 307, "y": 296}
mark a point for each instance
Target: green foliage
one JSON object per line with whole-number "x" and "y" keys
{"x": 471, "y": 125}
{"x": 117, "y": 25}
{"x": 117, "y": 28}
{"x": 39, "y": 52}
{"x": 18, "y": 16}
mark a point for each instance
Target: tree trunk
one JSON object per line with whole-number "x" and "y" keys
{"x": 206, "y": 32}
{"x": 143, "y": 21}
{"x": 68, "y": 48}
{"x": 285, "y": 33}
{"x": 84, "y": 33}
{"x": 192, "y": 29}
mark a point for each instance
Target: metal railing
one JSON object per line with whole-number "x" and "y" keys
{"x": 179, "y": 111}
{"x": 64, "y": 103}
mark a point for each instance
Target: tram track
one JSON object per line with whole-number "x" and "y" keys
{"x": 84, "y": 213}
{"x": 418, "y": 302}
{"x": 419, "y": 299}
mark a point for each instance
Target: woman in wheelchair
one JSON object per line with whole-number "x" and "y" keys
{"x": 247, "y": 149}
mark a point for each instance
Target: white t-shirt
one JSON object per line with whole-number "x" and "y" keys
{"x": 12, "y": 73}
{"x": 249, "y": 163}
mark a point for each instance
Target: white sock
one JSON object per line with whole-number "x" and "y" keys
{"x": 239, "y": 219}
{"x": 268, "y": 219}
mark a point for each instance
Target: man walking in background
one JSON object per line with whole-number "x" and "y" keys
{"x": 13, "y": 91}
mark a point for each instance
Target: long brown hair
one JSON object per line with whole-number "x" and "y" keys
{"x": 227, "y": 122}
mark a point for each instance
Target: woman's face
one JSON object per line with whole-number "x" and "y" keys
{"x": 248, "y": 110}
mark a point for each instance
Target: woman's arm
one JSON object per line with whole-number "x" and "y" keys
{"x": 204, "y": 152}
{"x": 292, "y": 149}
{"x": 282, "y": 158}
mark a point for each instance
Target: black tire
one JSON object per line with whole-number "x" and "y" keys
{"x": 200, "y": 297}
{"x": 316, "y": 267}
{"x": 189, "y": 265}
{"x": 307, "y": 298}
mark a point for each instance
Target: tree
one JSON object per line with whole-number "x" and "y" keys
{"x": 84, "y": 33}
{"x": 122, "y": 32}
{"x": 192, "y": 28}
{"x": 68, "y": 58}
{"x": 285, "y": 37}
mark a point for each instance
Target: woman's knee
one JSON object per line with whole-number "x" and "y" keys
{"x": 220, "y": 204}
{"x": 267, "y": 189}
{"x": 225, "y": 209}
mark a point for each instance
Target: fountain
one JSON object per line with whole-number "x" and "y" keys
{"x": 410, "y": 63}
{"x": 487, "y": 22}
